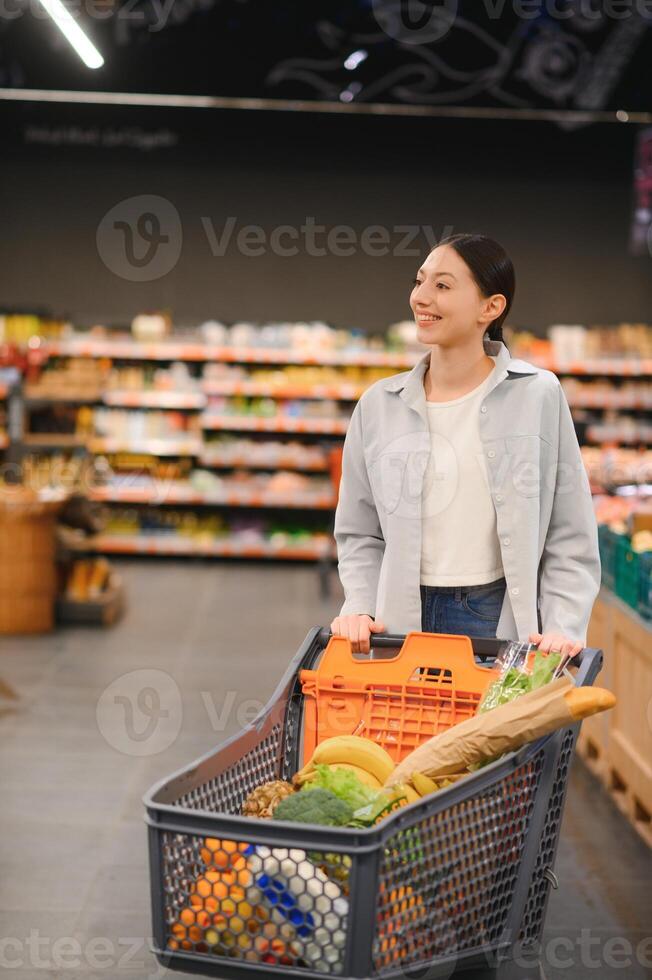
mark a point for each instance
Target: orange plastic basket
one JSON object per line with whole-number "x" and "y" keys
{"x": 399, "y": 702}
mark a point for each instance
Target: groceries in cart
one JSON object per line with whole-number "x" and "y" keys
{"x": 341, "y": 786}
{"x": 289, "y": 906}
{"x": 510, "y": 726}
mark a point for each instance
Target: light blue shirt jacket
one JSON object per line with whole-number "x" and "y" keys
{"x": 544, "y": 514}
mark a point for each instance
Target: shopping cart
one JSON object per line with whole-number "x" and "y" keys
{"x": 456, "y": 882}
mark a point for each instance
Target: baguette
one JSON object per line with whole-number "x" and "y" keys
{"x": 586, "y": 701}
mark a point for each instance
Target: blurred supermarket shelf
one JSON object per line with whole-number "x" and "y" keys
{"x": 278, "y": 423}
{"x": 161, "y": 493}
{"x": 173, "y": 544}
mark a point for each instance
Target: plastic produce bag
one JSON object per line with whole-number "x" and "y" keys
{"x": 523, "y": 668}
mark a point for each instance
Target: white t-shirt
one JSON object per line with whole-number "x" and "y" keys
{"x": 460, "y": 543}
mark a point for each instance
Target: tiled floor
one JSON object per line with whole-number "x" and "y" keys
{"x": 73, "y": 859}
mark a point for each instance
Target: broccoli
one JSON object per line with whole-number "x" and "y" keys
{"x": 318, "y": 806}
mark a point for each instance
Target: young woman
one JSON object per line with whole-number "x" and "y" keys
{"x": 464, "y": 504}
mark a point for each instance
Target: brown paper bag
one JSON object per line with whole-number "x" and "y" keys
{"x": 491, "y": 734}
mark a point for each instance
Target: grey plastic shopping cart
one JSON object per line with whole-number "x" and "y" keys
{"x": 456, "y": 883}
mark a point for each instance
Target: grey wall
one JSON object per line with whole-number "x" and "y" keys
{"x": 559, "y": 202}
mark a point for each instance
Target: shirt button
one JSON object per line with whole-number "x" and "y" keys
{"x": 515, "y": 591}
{"x": 491, "y": 454}
{"x": 484, "y": 408}
{"x": 499, "y": 497}
{"x": 507, "y": 540}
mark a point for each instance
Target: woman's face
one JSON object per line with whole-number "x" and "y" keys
{"x": 448, "y": 307}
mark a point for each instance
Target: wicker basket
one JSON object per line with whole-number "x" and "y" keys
{"x": 27, "y": 553}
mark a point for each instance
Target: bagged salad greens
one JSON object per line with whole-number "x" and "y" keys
{"x": 523, "y": 668}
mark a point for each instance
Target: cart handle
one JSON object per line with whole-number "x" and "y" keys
{"x": 589, "y": 660}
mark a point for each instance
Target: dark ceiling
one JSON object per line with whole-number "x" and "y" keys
{"x": 552, "y": 54}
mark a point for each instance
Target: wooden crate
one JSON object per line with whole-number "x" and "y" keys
{"x": 27, "y": 571}
{"x": 617, "y": 746}
{"x": 630, "y": 738}
{"x": 105, "y": 610}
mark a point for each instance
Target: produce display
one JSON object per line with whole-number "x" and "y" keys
{"x": 625, "y": 538}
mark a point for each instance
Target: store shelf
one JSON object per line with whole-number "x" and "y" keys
{"x": 276, "y": 424}
{"x": 230, "y": 498}
{"x": 32, "y": 394}
{"x": 598, "y": 435}
{"x": 155, "y": 399}
{"x": 246, "y": 462}
{"x": 341, "y": 392}
{"x": 153, "y": 447}
{"x": 613, "y": 405}
{"x": 181, "y": 351}
{"x": 55, "y": 440}
{"x": 144, "y": 544}
{"x": 622, "y": 366}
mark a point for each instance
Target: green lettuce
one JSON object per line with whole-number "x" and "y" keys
{"x": 516, "y": 681}
{"x": 344, "y": 784}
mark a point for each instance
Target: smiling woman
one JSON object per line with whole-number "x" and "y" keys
{"x": 464, "y": 504}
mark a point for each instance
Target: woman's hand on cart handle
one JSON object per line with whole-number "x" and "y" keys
{"x": 357, "y": 629}
{"x": 557, "y": 642}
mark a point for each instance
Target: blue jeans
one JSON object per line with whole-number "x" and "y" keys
{"x": 470, "y": 610}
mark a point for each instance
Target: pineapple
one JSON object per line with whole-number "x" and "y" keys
{"x": 262, "y": 800}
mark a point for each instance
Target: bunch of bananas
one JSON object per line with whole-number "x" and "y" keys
{"x": 368, "y": 760}
{"x": 371, "y": 763}
{"x": 424, "y": 785}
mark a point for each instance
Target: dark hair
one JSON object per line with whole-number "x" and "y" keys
{"x": 492, "y": 269}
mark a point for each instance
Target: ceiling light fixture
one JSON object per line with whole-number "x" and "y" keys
{"x": 73, "y": 32}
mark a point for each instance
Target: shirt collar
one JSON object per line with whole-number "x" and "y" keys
{"x": 506, "y": 365}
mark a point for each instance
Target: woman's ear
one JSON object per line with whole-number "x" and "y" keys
{"x": 493, "y": 307}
